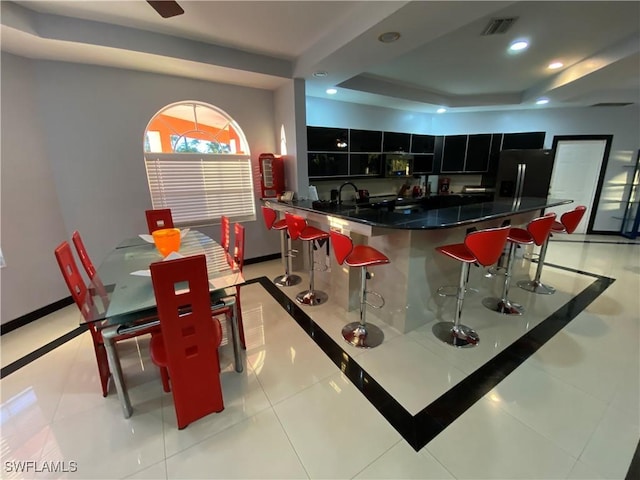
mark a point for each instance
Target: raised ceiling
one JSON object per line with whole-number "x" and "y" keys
{"x": 440, "y": 59}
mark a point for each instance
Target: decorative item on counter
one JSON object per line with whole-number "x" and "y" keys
{"x": 313, "y": 193}
{"x": 416, "y": 192}
{"x": 363, "y": 196}
{"x": 443, "y": 185}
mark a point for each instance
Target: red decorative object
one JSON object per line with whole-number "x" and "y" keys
{"x": 271, "y": 175}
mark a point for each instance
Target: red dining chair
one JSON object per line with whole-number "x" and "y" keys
{"x": 87, "y": 307}
{"x": 90, "y": 269}
{"x": 568, "y": 223}
{"x": 359, "y": 334}
{"x": 272, "y": 223}
{"x": 187, "y": 349}
{"x": 238, "y": 260}
{"x": 537, "y": 232}
{"x": 483, "y": 247}
{"x": 225, "y": 237}
{"x": 298, "y": 228}
{"x": 158, "y": 219}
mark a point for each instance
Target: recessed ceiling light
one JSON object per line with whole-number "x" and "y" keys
{"x": 555, "y": 65}
{"x": 542, "y": 101}
{"x": 518, "y": 45}
{"x": 441, "y": 110}
{"x": 389, "y": 37}
{"x": 332, "y": 91}
{"x": 320, "y": 74}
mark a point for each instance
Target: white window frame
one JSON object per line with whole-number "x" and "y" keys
{"x": 200, "y": 188}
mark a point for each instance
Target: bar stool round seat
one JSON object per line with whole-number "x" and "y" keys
{"x": 272, "y": 223}
{"x": 536, "y": 232}
{"x": 568, "y": 223}
{"x": 298, "y": 228}
{"x": 483, "y": 247}
{"x": 360, "y": 334}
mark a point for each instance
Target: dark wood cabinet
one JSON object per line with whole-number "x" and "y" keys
{"x": 524, "y": 140}
{"x": 396, "y": 142}
{"x": 365, "y": 141}
{"x": 453, "y": 153}
{"x": 423, "y": 143}
{"x": 478, "y": 148}
{"x": 422, "y": 164}
{"x": 321, "y": 139}
{"x": 342, "y": 152}
{"x": 328, "y": 164}
{"x": 365, "y": 164}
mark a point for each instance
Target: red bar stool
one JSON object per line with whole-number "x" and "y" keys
{"x": 537, "y": 232}
{"x": 483, "y": 247}
{"x": 568, "y": 223}
{"x": 272, "y": 223}
{"x": 298, "y": 228}
{"x": 359, "y": 334}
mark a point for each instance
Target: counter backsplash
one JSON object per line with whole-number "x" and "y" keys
{"x": 390, "y": 186}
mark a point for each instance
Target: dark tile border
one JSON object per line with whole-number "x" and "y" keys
{"x": 12, "y": 325}
{"x": 27, "y": 359}
{"x": 420, "y": 429}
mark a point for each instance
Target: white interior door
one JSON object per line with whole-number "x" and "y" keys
{"x": 576, "y": 169}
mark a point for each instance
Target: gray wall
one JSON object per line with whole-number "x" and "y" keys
{"x": 72, "y": 141}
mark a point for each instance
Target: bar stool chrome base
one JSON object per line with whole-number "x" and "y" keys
{"x": 452, "y": 290}
{"x": 312, "y": 297}
{"x": 287, "y": 280}
{"x": 536, "y": 287}
{"x": 495, "y": 271}
{"x": 501, "y": 306}
{"x": 459, "y": 336}
{"x": 362, "y": 336}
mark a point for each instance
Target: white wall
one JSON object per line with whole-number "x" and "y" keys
{"x": 72, "y": 142}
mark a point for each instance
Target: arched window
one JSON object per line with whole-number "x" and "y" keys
{"x": 199, "y": 165}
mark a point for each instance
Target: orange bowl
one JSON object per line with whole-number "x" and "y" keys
{"x": 167, "y": 240}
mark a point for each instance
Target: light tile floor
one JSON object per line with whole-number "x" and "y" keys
{"x": 570, "y": 411}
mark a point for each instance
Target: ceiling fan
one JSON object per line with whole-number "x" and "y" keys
{"x": 166, "y": 8}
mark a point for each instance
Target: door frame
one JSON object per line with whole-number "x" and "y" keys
{"x": 603, "y": 170}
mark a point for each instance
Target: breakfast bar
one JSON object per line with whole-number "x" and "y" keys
{"x": 408, "y": 235}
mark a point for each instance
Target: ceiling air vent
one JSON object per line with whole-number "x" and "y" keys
{"x": 612, "y": 104}
{"x": 498, "y": 25}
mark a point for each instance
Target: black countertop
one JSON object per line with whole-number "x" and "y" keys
{"x": 404, "y": 217}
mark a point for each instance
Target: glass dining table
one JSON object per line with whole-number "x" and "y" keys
{"x": 121, "y": 300}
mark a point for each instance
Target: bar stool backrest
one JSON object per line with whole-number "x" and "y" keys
{"x": 539, "y": 228}
{"x": 487, "y": 245}
{"x": 295, "y": 224}
{"x": 342, "y": 246}
{"x": 270, "y": 216}
{"x": 571, "y": 219}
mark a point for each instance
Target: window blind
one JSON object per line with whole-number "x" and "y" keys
{"x": 200, "y": 188}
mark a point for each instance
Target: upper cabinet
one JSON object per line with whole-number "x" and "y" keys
{"x": 478, "y": 149}
{"x": 423, "y": 143}
{"x": 454, "y": 152}
{"x": 342, "y": 152}
{"x": 365, "y": 141}
{"x": 321, "y": 139}
{"x": 522, "y": 141}
{"x": 396, "y": 142}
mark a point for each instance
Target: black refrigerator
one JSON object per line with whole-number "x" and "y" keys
{"x": 524, "y": 173}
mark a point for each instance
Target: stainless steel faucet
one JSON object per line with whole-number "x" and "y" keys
{"x": 340, "y": 191}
